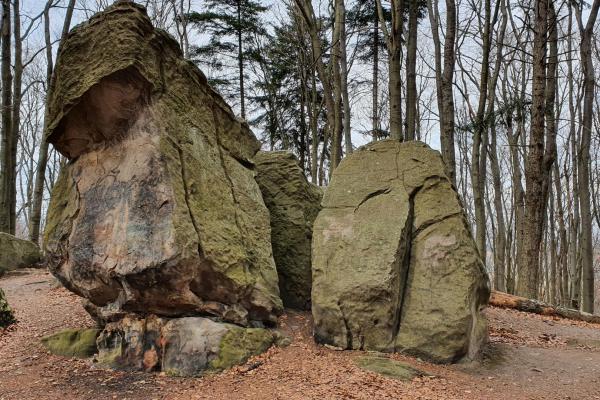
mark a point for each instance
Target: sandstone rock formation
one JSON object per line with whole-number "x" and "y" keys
{"x": 6, "y": 314}
{"x": 17, "y": 253}
{"x": 395, "y": 267}
{"x": 293, "y": 203}
{"x": 79, "y": 343}
{"x": 180, "y": 347}
{"x": 157, "y": 210}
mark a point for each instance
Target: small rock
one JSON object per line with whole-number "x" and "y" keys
{"x": 79, "y": 343}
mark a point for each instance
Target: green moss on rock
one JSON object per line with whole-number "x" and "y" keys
{"x": 17, "y": 253}
{"x": 167, "y": 175}
{"x": 390, "y": 368}
{"x": 79, "y": 343}
{"x": 6, "y": 314}
{"x": 239, "y": 344}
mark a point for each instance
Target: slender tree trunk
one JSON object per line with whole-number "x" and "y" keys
{"x": 307, "y": 12}
{"x": 344, "y": 80}
{"x": 375, "y": 116}
{"x": 479, "y": 138}
{"x": 40, "y": 176}
{"x": 529, "y": 259}
{"x": 587, "y": 288}
{"x": 393, "y": 40}
{"x": 550, "y": 145}
{"x": 313, "y": 117}
{"x": 411, "y": 75}
{"x": 6, "y": 168}
{"x": 241, "y": 59}
{"x": 16, "y": 110}
{"x": 336, "y": 142}
{"x": 562, "y": 234}
{"x": 500, "y": 242}
{"x": 447, "y": 128}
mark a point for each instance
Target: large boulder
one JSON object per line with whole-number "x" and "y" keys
{"x": 157, "y": 210}
{"x": 395, "y": 267}
{"x": 189, "y": 346}
{"x": 7, "y": 317}
{"x": 293, "y": 203}
{"x": 17, "y": 253}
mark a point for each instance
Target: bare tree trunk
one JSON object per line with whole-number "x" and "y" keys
{"x": 375, "y": 116}
{"x": 562, "y": 234}
{"x": 313, "y": 118}
{"x": 344, "y": 79}
{"x": 447, "y": 128}
{"x": 40, "y": 177}
{"x": 411, "y": 76}
{"x": 551, "y": 130}
{"x": 479, "y": 138}
{"x": 7, "y": 170}
{"x": 529, "y": 261}
{"x": 241, "y": 59}
{"x": 587, "y": 287}
{"x": 16, "y": 110}
{"x": 393, "y": 40}
{"x": 336, "y": 139}
{"x": 308, "y": 14}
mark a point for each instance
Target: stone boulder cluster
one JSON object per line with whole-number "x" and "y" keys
{"x": 187, "y": 242}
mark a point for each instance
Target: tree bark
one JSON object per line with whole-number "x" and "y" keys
{"x": 393, "y": 41}
{"x": 587, "y": 287}
{"x": 529, "y": 259}
{"x": 411, "y": 76}
{"x": 7, "y": 171}
{"x": 505, "y": 300}
{"x": 375, "y": 115}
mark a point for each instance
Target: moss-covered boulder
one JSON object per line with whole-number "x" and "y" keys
{"x": 395, "y": 267}
{"x": 189, "y": 346}
{"x": 293, "y": 203}
{"x": 157, "y": 210}
{"x": 17, "y": 253}
{"x": 387, "y": 367}
{"x": 79, "y": 343}
{"x": 7, "y": 316}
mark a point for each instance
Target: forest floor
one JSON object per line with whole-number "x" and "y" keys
{"x": 528, "y": 357}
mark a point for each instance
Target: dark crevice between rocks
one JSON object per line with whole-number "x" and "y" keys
{"x": 372, "y": 195}
{"x": 186, "y": 193}
{"x": 403, "y": 255}
{"x": 346, "y": 326}
{"x": 433, "y": 222}
{"x": 402, "y": 262}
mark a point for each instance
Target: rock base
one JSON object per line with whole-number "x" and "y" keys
{"x": 189, "y": 346}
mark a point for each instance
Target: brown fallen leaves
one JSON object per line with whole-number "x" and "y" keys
{"x": 300, "y": 371}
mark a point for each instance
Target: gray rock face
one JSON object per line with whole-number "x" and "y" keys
{"x": 293, "y": 204}
{"x": 157, "y": 210}
{"x": 187, "y": 346}
{"x": 17, "y": 253}
{"x": 395, "y": 267}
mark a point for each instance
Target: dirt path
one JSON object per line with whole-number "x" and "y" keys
{"x": 530, "y": 357}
